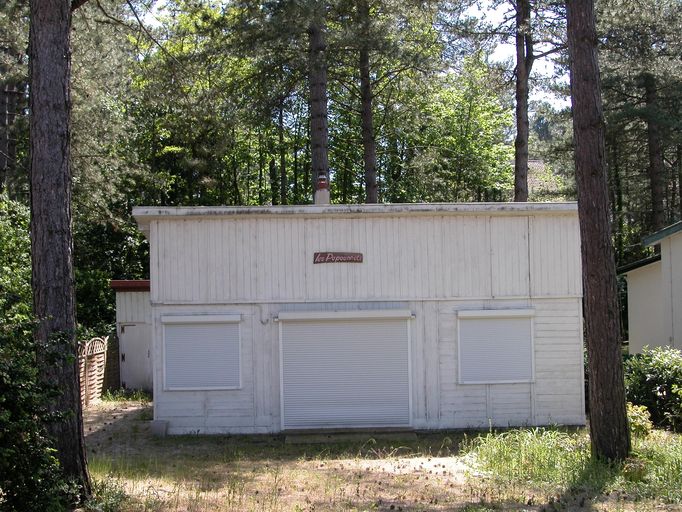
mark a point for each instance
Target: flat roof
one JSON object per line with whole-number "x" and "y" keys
{"x": 663, "y": 233}
{"x": 144, "y": 214}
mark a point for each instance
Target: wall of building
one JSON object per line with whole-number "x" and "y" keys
{"x": 263, "y": 259}
{"x": 133, "y": 307}
{"x": 646, "y": 308}
{"x": 438, "y": 401}
{"x": 675, "y": 270}
{"x": 134, "y": 332}
{"x": 433, "y": 263}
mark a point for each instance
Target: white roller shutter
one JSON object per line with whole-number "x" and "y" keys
{"x": 345, "y": 373}
{"x": 201, "y": 352}
{"x": 495, "y": 346}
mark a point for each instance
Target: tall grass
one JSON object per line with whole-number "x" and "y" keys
{"x": 559, "y": 461}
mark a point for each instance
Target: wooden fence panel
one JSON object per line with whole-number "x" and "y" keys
{"x": 92, "y": 360}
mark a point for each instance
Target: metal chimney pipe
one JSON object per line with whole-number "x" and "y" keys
{"x": 322, "y": 189}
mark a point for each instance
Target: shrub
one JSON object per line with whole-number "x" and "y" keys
{"x": 639, "y": 420}
{"x": 30, "y": 476}
{"x": 108, "y": 495}
{"x": 654, "y": 379}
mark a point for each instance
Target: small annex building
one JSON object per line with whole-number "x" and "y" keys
{"x": 654, "y": 291}
{"x": 422, "y": 316}
{"x": 134, "y": 333}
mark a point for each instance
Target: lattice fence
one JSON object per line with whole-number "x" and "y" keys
{"x": 92, "y": 361}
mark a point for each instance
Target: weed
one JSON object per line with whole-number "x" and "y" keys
{"x": 119, "y": 395}
{"x": 108, "y": 495}
{"x": 558, "y": 461}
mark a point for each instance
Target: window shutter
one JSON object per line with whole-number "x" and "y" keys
{"x": 200, "y": 356}
{"x": 495, "y": 349}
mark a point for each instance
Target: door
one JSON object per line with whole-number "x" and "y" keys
{"x": 345, "y": 373}
{"x": 135, "y": 356}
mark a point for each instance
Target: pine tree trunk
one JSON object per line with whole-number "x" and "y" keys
{"x": 608, "y": 421}
{"x": 282, "y": 156}
{"x": 524, "y": 64}
{"x": 261, "y": 170}
{"x": 679, "y": 174}
{"x": 618, "y": 205}
{"x": 656, "y": 168}
{"x": 369, "y": 149}
{"x": 319, "y": 133}
{"x": 297, "y": 140}
{"x": 274, "y": 193}
{"x": 11, "y": 104}
{"x": 51, "y": 238}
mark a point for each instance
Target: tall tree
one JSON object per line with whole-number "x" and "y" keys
{"x": 51, "y": 238}
{"x": 369, "y": 146}
{"x": 317, "y": 79}
{"x": 642, "y": 89}
{"x": 609, "y": 432}
{"x": 524, "y": 64}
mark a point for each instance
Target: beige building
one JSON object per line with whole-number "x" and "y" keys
{"x": 655, "y": 293}
{"x": 424, "y": 316}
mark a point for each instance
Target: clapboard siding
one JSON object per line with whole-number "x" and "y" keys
{"x": 558, "y": 359}
{"x": 555, "y": 265}
{"x": 434, "y": 263}
{"x": 133, "y": 308}
{"x": 207, "y": 260}
{"x": 438, "y": 401}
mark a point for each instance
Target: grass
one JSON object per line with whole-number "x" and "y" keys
{"x": 557, "y": 462}
{"x": 121, "y": 394}
{"x": 523, "y": 469}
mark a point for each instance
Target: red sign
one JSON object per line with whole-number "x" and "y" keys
{"x": 337, "y": 257}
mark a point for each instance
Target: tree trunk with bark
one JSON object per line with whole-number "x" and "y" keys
{"x": 274, "y": 193}
{"x": 283, "y": 185}
{"x": 317, "y": 76}
{"x": 524, "y": 64}
{"x": 369, "y": 149}
{"x": 609, "y": 432}
{"x": 9, "y": 96}
{"x": 656, "y": 168}
{"x": 51, "y": 238}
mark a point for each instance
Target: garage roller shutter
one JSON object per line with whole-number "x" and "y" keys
{"x": 345, "y": 373}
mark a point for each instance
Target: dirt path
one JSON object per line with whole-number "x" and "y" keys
{"x": 109, "y": 425}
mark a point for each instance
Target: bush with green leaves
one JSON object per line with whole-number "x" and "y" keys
{"x": 30, "y": 476}
{"x": 654, "y": 379}
{"x": 639, "y": 420}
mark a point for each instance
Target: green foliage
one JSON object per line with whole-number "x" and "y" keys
{"x": 118, "y": 395}
{"x": 639, "y": 420}
{"x": 559, "y": 461}
{"x": 108, "y": 495}
{"x": 461, "y": 150}
{"x": 542, "y": 455}
{"x": 654, "y": 379}
{"x": 30, "y": 477}
{"x": 15, "y": 262}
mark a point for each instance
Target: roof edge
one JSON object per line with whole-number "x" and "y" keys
{"x": 656, "y": 237}
{"x": 145, "y": 213}
{"x": 624, "y": 269}
{"x": 130, "y": 285}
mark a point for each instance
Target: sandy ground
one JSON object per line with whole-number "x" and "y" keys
{"x": 242, "y": 474}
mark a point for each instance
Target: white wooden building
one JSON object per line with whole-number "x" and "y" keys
{"x": 655, "y": 293}
{"x": 424, "y": 316}
{"x": 134, "y": 331}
